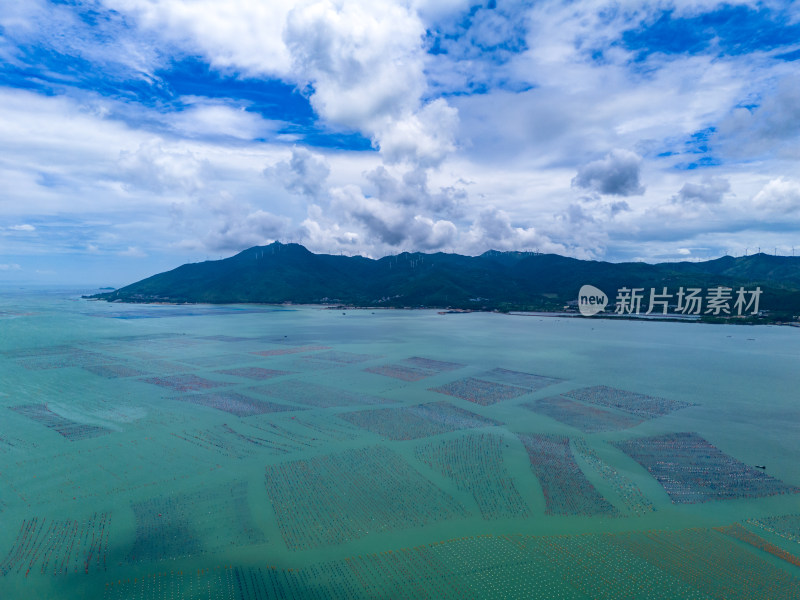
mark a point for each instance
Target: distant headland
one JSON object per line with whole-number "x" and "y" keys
{"x": 498, "y": 281}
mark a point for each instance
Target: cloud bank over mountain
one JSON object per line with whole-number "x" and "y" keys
{"x": 139, "y": 134}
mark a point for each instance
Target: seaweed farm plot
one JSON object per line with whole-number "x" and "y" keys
{"x": 414, "y": 368}
{"x": 12, "y": 443}
{"x": 320, "y": 396}
{"x": 518, "y": 378}
{"x": 330, "y": 500}
{"x": 641, "y": 405}
{"x": 59, "y": 547}
{"x": 234, "y": 403}
{"x": 711, "y": 563}
{"x": 258, "y": 373}
{"x": 114, "y": 371}
{"x": 738, "y": 532}
{"x": 234, "y": 443}
{"x": 327, "y": 429}
{"x": 480, "y": 391}
{"x": 690, "y": 565}
{"x": 72, "y": 357}
{"x": 589, "y": 419}
{"x": 185, "y": 383}
{"x": 786, "y": 526}
{"x": 289, "y": 350}
{"x": 265, "y": 436}
{"x": 346, "y": 358}
{"x": 167, "y": 527}
{"x": 593, "y": 566}
{"x": 217, "y": 360}
{"x": 401, "y": 372}
{"x": 421, "y": 420}
{"x": 565, "y": 487}
{"x": 429, "y": 364}
{"x": 72, "y": 430}
{"x": 691, "y": 470}
{"x": 93, "y": 473}
{"x": 627, "y": 491}
{"x": 475, "y": 462}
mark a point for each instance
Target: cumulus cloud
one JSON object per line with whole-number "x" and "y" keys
{"x": 388, "y": 223}
{"x": 156, "y": 167}
{"x": 304, "y": 173}
{"x": 412, "y": 190}
{"x": 710, "y": 191}
{"x": 364, "y": 63}
{"x": 492, "y": 229}
{"x": 616, "y": 174}
{"x": 779, "y": 196}
{"x": 240, "y": 35}
{"x": 204, "y": 118}
{"x": 235, "y": 225}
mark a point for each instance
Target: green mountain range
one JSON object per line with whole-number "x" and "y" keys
{"x": 280, "y": 273}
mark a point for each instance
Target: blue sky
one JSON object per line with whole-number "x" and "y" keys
{"x": 137, "y": 135}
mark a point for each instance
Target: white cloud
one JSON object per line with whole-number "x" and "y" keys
{"x": 203, "y": 119}
{"x": 779, "y": 196}
{"x": 240, "y": 35}
{"x": 772, "y": 127}
{"x": 10, "y": 267}
{"x": 616, "y": 174}
{"x": 501, "y": 168}
{"x": 152, "y": 166}
{"x": 304, "y": 173}
{"x": 133, "y": 252}
{"x": 23, "y": 227}
{"x": 709, "y": 191}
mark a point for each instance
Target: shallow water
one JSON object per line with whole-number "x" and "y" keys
{"x": 216, "y": 452}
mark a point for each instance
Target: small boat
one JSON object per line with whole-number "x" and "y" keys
{"x": 760, "y": 466}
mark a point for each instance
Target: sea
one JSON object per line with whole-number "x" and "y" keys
{"x": 251, "y": 451}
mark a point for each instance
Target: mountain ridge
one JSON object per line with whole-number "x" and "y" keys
{"x": 290, "y": 273}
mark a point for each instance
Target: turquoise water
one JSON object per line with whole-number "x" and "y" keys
{"x": 257, "y": 451}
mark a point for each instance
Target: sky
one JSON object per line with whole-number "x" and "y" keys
{"x": 139, "y": 135}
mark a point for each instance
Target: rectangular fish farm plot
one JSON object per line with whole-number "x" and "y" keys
{"x": 475, "y": 463}
{"x": 345, "y": 358}
{"x": 589, "y": 419}
{"x": 189, "y": 524}
{"x": 218, "y": 360}
{"x": 114, "y": 371}
{"x": 185, "y": 382}
{"x": 72, "y": 430}
{"x": 74, "y": 357}
{"x": 480, "y": 391}
{"x": 400, "y": 372}
{"x": 320, "y": 396}
{"x": 786, "y": 526}
{"x": 647, "y": 407}
{"x": 59, "y": 547}
{"x": 235, "y": 404}
{"x": 526, "y": 380}
{"x": 691, "y": 470}
{"x": 334, "y": 499}
{"x": 413, "y": 422}
{"x": 429, "y": 364}
{"x": 289, "y": 350}
{"x": 565, "y": 487}
{"x": 258, "y": 373}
